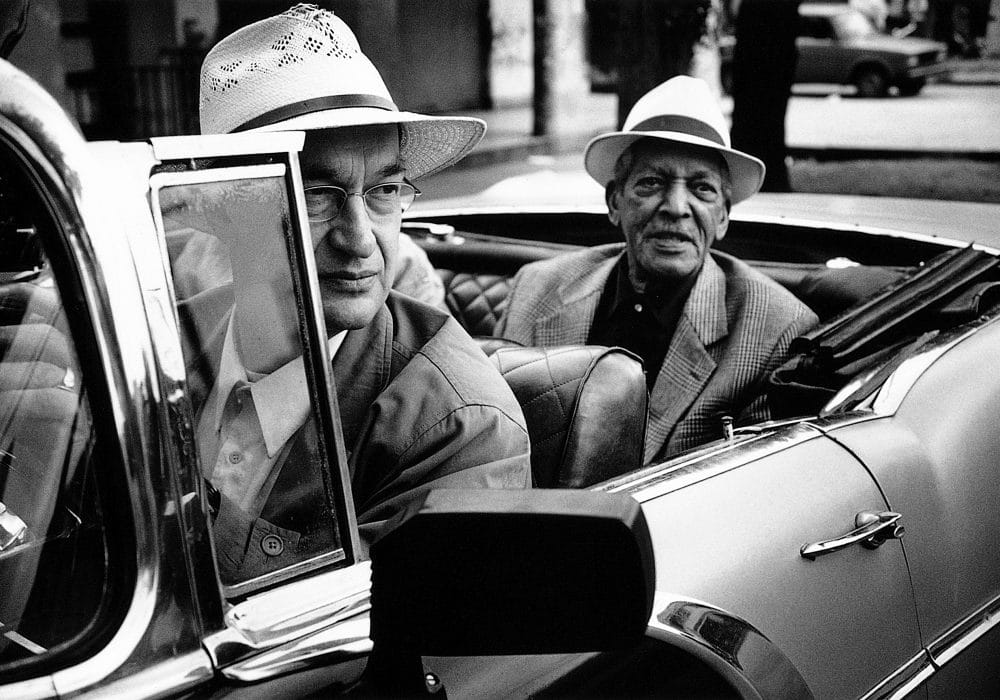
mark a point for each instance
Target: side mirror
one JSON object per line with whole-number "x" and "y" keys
{"x": 485, "y": 572}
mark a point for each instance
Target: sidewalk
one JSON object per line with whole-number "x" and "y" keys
{"x": 508, "y": 135}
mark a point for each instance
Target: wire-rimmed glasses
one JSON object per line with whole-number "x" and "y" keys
{"x": 325, "y": 202}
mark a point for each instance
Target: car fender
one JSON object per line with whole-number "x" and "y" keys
{"x": 732, "y": 647}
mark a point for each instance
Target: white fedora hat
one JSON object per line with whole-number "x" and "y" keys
{"x": 681, "y": 110}
{"x": 303, "y": 69}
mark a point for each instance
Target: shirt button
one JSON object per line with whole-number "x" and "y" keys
{"x": 638, "y": 308}
{"x": 272, "y": 545}
{"x": 235, "y": 458}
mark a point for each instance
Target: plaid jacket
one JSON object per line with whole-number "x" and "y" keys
{"x": 736, "y": 327}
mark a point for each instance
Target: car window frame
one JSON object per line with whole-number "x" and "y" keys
{"x": 231, "y": 157}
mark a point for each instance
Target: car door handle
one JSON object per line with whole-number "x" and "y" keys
{"x": 871, "y": 530}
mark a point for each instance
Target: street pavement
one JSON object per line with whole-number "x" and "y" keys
{"x": 956, "y": 118}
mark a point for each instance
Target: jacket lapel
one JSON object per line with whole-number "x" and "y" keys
{"x": 570, "y": 322}
{"x": 687, "y": 366}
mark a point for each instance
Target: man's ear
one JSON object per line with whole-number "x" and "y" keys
{"x": 611, "y": 199}
{"x": 720, "y": 233}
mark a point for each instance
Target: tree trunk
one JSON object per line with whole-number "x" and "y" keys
{"x": 658, "y": 39}
{"x": 763, "y": 71}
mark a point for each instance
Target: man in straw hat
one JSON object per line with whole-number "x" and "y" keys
{"x": 421, "y": 406}
{"x": 708, "y": 328}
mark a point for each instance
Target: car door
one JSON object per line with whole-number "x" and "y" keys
{"x": 932, "y": 444}
{"x": 728, "y": 529}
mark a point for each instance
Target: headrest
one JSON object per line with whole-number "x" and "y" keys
{"x": 585, "y": 407}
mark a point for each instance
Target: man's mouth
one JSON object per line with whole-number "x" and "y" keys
{"x": 350, "y": 281}
{"x": 669, "y": 237}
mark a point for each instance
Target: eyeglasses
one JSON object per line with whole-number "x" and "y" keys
{"x": 325, "y": 202}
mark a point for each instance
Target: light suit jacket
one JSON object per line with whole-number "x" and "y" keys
{"x": 421, "y": 407}
{"x": 735, "y": 329}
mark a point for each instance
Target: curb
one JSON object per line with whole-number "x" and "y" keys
{"x": 839, "y": 154}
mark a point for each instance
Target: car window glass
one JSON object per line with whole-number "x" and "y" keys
{"x": 56, "y": 555}
{"x": 815, "y": 28}
{"x": 261, "y": 451}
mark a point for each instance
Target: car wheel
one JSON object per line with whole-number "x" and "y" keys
{"x": 871, "y": 82}
{"x": 909, "y": 88}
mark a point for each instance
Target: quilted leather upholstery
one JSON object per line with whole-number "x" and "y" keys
{"x": 476, "y": 300}
{"x": 585, "y": 407}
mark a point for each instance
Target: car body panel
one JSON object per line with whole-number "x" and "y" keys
{"x": 935, "y": 457}
{"x": 733, "y": 537}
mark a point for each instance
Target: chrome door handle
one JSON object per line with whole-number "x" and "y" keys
{"x": 871, "y": 530}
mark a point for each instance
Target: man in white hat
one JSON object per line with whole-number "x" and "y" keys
{"x": 708, "y": 327}
{"x": 420, "y": 404}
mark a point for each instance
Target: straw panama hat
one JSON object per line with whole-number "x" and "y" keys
{"x": 681, "y": 110}
{"x": 303, "y": 69}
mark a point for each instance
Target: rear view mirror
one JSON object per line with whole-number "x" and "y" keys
{"x": 483, "y": 572}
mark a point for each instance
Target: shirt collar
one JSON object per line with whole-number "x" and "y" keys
{"x": 664, "y": 310}
{"x": 281, "y": 398}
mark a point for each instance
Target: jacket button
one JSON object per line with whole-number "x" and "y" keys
{"x": 272, "y": 545}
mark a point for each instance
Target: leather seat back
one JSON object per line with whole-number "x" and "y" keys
{"x": 585, "y": 407}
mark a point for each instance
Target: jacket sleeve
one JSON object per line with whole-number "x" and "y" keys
{"x": 447, "y": 420}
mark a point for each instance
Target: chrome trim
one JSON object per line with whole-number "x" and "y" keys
{"x": 329, "y": 420}
{"x": 940, "y": 652}
{"x": 222, "y": 145}
{"x": 81, "y": 198}
{"x": 705, "y": 463}
{"x": 166, "y": 678}
{"x": 869, "y": 532}
{"x": 910, "y": 676}
{"x": 887, "y": 397}
{"x": 295, "y": 610}
{"x": 753, "y": 665}
{"x": 966, "y": 633}
{"x": 159, "y": 181}
{"x": 347, "y": 639}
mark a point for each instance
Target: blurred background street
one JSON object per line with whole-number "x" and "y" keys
{"x": 546, "y": 76}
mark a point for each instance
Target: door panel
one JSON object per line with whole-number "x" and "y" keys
{"x": 937, "y": 460}
{"x": 845, "y": 620}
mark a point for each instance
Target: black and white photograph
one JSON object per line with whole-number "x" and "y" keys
{"x": 500, "y": 349}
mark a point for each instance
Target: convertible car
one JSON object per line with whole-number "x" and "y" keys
{"x": 846, "y": 549}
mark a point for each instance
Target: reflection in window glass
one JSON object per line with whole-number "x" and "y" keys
{"x": 53, "y": 544}
{"x": 256, "y": 434}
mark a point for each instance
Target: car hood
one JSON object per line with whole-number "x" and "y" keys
{"x": 904, "y": 45}
{"x": 575, "y": 191}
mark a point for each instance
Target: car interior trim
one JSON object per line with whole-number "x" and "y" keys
{"x": 753, "y": 665}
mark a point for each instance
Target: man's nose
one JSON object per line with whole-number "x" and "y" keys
{"x": 350, "y": 232}
{"x": 675, "y": 200}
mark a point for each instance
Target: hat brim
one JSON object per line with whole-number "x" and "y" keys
{"x": 746, "y": 171}
{"x": 427, "y": 144}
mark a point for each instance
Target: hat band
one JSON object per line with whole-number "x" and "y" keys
{"x": 317, "y": 104}
{"x": 681, "y": 124}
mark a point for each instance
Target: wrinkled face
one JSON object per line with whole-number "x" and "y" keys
{"x": 672, "y": 205}
{"x": 356, "y": 249}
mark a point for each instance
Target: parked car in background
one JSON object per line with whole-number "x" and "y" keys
{"x": 838, "y": 44}
{"x": 769, "y": 563}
